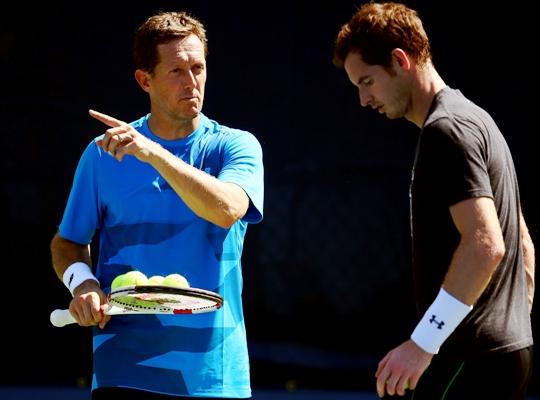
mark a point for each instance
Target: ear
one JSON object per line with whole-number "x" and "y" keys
{"x": 143, "y": 79}
{"x": 401, "y": 59}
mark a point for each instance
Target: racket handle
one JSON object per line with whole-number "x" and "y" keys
{"x": 60, "y": 318}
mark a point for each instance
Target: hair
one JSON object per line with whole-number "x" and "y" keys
{"x": 378, "y": 28}
{"x": 160, "y": 29}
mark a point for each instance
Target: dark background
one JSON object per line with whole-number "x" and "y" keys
{"x": 327, "y": 285}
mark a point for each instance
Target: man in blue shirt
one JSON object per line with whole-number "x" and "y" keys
{"x": 172, "y": 192}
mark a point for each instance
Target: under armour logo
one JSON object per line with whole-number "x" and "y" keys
{"x": 439, "y": 324}
{"x": 71, "y": 279}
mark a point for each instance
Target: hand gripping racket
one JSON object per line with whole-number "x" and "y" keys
{"x": 151, "y": 299}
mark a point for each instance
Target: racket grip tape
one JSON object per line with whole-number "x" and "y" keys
{"x": 60, "y": 318}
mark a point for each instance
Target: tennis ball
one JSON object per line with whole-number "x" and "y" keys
{"x": 156, "y": 280}
{"x": 175, "y": 280}
{"x": 118, "y": 282}
{"x": 134, "y": 278}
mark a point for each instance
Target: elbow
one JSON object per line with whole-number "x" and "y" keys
{"x": 487, "y": 255}
{"x": 224, "y": 221}
{"x": 230, "y": 213}
{"x": 222, "y": 218}
{"x": 498, "y": 253}
{"x": 495, "y": 253}
{"x": 228, "y": 219}
{"x": 55, "y": 243}
{"x": 225, "y": 224}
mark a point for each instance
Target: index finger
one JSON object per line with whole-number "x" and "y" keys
{"x": 106, "y": 119}
{"x": 104, "y": 317}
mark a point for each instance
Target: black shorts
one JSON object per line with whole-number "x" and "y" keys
{"x": 115, "y": 393}
{"x": 501, "y": 376}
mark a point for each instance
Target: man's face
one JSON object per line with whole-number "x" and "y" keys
{"x": 382, "y": 89}
{"x": 178, "y": 81}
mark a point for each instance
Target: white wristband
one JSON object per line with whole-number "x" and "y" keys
{"x": 439, "y": 321}
{"x": 76, "y": 274}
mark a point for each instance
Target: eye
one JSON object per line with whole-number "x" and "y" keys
{"x": 366, "y": 82}
{"x": 198, "y": 68}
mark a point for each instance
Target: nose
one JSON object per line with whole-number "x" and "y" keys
{"x": 189, "y": 80}
{"x": 364, "y": 98}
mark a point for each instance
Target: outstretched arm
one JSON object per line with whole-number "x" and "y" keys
{"x": 221, "y": 203}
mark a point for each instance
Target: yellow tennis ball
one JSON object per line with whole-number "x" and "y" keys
{"x": 135, "y": 278}
{"x": 175, "y": 280}
{"x": 118, "y": 282}
{"x": 156, "y": 280}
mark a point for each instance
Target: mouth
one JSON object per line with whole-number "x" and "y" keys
{"x": 378, "y": 108}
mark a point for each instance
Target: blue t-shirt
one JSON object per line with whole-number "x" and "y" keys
{"x": 144, "y": 225}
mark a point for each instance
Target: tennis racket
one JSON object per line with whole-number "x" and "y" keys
{"x": 151, "y": 299}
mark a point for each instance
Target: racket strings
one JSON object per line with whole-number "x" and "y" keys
{"x": 162, "y": 302}
{"x": 131, "y": 303}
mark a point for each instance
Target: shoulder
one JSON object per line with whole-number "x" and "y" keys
{"x": 224, "y": 130}
{"x": 228, "y": 135}
{"x": 140, "y": 123}
{"x": 455, "y": 116}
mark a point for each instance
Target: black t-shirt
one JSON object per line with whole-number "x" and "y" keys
{"x": 461, "y": 154}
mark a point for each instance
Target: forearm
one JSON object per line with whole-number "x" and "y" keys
{"x": 218, "y": 202}
{"x": 479, "y": 252}
{"x": 470, "y": 270}
{"x": 64, "y": 253}
{"x": 467, "y": 277}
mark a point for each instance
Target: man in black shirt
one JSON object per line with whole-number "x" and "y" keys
{"x": 473, "y": 257}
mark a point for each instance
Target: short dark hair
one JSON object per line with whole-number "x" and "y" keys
{"x": 378, "y": 28}
{"x": 163, "y": 28}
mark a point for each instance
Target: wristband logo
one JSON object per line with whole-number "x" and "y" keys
{"x": 71, "y": 279}
{"x": 439, "y": 324}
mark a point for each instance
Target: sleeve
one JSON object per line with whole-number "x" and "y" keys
{"x": 243, "y": 165}
{"x": 82, "y": 213}
{"x": 457, "y": 157}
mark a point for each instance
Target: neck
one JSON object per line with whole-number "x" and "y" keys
{"x": 172, "y": 129}
{"x": 427, "y": 84}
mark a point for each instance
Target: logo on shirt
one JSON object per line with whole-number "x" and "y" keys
{"x": 161, "y": 184}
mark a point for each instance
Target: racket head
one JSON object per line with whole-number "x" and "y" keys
{"x": 161, "y": 299}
